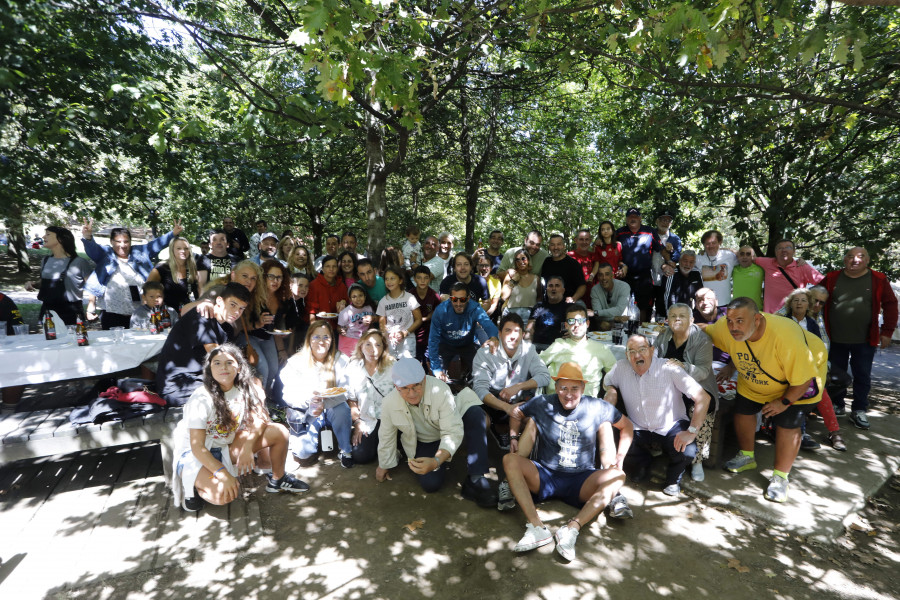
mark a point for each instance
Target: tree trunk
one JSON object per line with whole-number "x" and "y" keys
{"x": 16, "y": 234}
{"x": 376, "y": 198}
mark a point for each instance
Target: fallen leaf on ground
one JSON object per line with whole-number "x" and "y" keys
{"x": 417, "y": 524}
{"x": 735, "y": 564}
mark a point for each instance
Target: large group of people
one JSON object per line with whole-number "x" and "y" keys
{"x": 405, "y": 356}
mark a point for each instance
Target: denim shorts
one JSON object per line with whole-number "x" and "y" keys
{"x": 564, "y": 486}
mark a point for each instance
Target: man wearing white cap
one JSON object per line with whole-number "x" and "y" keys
{"x": 431, "y": 424}
{"x": 568, "y": 426}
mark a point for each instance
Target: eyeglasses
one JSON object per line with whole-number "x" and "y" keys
{"x": 456, "y": 300}
{"x": 274, "y": 277}
{"x": 576, "y": 321}
{"x": 321, "y": 338}
{"x": 641, "y": 350}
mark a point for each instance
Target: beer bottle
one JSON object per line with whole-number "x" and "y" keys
{"x": 81, "y": 335}
{"x": 166, "y": 318}
{"x": 154, "y": 321}
{"x": 49, "y": 327}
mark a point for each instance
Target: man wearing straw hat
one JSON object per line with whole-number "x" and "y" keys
{"x": 568, "y": 425}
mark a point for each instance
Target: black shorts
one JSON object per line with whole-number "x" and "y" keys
{"x": 792, "y": 418}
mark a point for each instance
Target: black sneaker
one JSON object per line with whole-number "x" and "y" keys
{"x": 840, "y": 410}
{"x": 479, "y": 492}
{"x": 288, "y": 483}
{"x": 502, "y": 439}
{"x": 193, "y": 504}
{"x": 346, "y": 460}
{"x": 808, "y": 443}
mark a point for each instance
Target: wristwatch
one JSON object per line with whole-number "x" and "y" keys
{"x": 692, "y": 429}
{"x": 786, "y": 402}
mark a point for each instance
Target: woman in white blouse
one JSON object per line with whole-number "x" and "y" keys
{"x": 369, "y": 382}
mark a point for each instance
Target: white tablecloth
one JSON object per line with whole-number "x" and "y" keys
{"x": 32, "y": 359}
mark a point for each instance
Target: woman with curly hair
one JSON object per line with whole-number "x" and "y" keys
{"x": 278, "y": 290}
{"x": 347, "y": 268}
{"x": 224, "y": 425}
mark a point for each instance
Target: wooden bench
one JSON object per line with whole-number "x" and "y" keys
{"x": 40, "y": 433}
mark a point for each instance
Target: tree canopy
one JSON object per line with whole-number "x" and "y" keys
{"x": 767, "y": 120}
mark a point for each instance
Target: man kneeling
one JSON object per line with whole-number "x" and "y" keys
{"x": 568, "y": 426}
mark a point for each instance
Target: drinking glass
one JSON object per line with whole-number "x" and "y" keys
{"x": 118, "y": 334}
{"x": 21, "y": 329}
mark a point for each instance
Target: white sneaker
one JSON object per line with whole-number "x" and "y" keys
{"x": 778, "y": 489}
{"x": 565, "y": 542}
{"x": 534, "y": 537}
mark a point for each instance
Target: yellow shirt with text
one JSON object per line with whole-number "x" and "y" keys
{"x": 785, "y": 356}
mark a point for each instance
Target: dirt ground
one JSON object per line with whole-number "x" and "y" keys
{"x": 347, "y": 538}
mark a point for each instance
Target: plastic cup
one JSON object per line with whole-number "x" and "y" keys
{"x": 118, "y": 334}
{"x": 21, "y": 329}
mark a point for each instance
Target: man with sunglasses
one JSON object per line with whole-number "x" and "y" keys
{"x": 458, "y": 327}
{"x": 594, "y": 358}
{"x": 651, "y": 389}
{"x": 782, "y": 369}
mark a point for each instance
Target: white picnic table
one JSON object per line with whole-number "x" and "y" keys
{"x": 31, "y": 359}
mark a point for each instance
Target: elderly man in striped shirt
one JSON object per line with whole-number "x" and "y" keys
{"x": 651, "y": 390}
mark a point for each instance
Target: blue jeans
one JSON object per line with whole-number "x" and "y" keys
{"x": 432, "y": 481}
{"x": 339, "y": 419}
{"x": 860, "y": 357}
{"x": 639, "y": 456}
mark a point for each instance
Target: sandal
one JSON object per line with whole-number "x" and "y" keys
{"x": 837, "y": 442}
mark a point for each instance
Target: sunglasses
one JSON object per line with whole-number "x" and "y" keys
{"x": 576, "y": 321}
{"x": 455, "y": 300}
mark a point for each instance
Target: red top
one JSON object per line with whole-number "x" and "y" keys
{"x": 323, "y": 297}
{"x": 610, "y": 254}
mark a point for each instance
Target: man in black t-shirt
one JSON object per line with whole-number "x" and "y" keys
{"x": 560, "y": 263}
{"x": 237, "y": 239}
{"x": 180, "y": 369}
{"x": 218, "y": 263}
{"x": 545, "y": 325}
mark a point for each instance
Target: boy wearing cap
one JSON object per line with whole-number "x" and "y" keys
{"x": 568, "y": 428}
{"x": 431, "y": 424}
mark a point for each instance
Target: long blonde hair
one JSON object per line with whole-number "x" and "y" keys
{"x": 190, "y": 266}
{"x": 385, "y": 361}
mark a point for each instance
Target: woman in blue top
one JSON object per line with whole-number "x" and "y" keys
{"x": 123, "y": 269}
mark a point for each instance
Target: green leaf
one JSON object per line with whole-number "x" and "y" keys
{"x": 158, "y": 141}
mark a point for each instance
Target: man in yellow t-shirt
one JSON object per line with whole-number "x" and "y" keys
{"x": 776, "y": 361}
